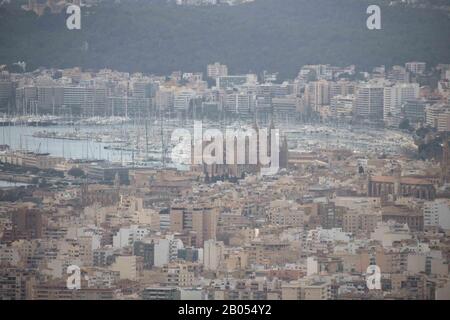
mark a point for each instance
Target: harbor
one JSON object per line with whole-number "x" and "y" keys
{"x": 148, "y": 142}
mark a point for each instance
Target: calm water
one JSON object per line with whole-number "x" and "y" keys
{"x": 20, "y": 137}
{"x": 309, "y": 137}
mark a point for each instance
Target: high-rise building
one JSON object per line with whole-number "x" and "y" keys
{"x": 26, "y": 224}
{"x": 443, "y": 121}
{"x": 200, "y": 218}
{"x": 16, "y": 284}
{"x": 26, "y": 99}
{"x": 285, "y": 106}
{"x": 85, "y": 100}
{"x": 6, "y": 93}
{"x": 394, "y": 97}
{"x": 369, "y": 102}
{"x": 342, "y": 107}
{"x": 144, "y": 89}
{"x": 317, "y": 94}
{"x": 50, "y": 99}
{"x": 164, "y": 99}
{"x": 182, "y": 100}
{"x": 239, "y": 103}
{"x": 414, "y": 110}
{"x": 145, "y": 249}
{"x": 438, "y": 116}
{"x": 342, "y": 87}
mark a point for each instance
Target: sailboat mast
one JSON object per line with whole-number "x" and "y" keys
{"x": 163, "y": 151}
{"x": 146, "y": 138}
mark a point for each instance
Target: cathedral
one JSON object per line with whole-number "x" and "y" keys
{"x": 237, "y": 170}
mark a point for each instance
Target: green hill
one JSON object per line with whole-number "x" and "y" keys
{"x": 273, "y": 35}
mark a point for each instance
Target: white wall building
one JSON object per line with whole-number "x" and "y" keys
{"x": 217, "y": 70}
{"x": 212, "y": 254}
{"x": 127, "y": 236}
{"x": 437, "y": 214}
{"x": 394, "y": 97}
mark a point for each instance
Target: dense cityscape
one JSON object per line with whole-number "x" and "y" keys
{"x": 89, "y": 182}
{"x": 95, "y": 204}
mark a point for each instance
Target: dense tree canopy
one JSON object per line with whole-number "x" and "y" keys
{"x": 273, "y": 35}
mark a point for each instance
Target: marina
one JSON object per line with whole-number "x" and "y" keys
{"x": 142, "y": 142}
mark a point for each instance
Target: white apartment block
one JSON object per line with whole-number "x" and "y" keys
{"x": 438, "y": 116}
{"x": 394, "y": 97}
{"x": 416, "y": 67}
{"x": 437, "y": 214}
{"x": 217, "y": 70}
{"x": 370, "y": 101}
{"x": 126, "y": 236}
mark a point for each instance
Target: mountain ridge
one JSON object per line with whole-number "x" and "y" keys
{"x": 274, "y": 35}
